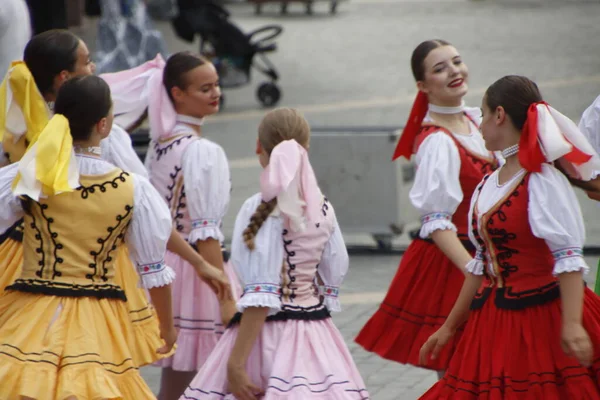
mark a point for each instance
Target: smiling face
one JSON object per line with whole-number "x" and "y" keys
{"x": 446, "y": 76}
{"x": 201, "y": 92}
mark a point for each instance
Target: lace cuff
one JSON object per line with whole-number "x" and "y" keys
{"x": 569, "y": 260}
{"x": 205, "y": 228}
{"x": 155, "y": 275}
{"x": 476, "y": 265}
{"x": 331, "y": 297}
{"x": 261, "y": 295}
{"x": 435, "y": 221}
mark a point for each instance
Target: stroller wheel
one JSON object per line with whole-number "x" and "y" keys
{"x": 268, "y": 94}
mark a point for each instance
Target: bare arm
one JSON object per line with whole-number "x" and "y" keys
{"x": 447, "y": 241}
{"x": 252, "y": 323}
{"x": 215, "y": 277}
{"x": 161, "y": 299}
{"x": 575, "y": 339}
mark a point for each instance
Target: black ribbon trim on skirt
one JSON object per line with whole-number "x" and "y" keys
{"x": 316, "y": 315}
{"x": 68, "y": 290}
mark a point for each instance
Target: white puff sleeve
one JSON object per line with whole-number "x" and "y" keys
{"x": 148, "y": 235}
{"x": 477, "y": 263}
{"x": 258, "y": 269}
{"x": 436, "y": 192}
{"x": 10, "y": 205}
{"x": 555, "y": 216}
{"x": 207, "y": 188}
{"x": 118, "y": 150}
{"x": 333, "y": 268}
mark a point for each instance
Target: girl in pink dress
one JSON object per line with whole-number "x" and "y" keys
{"x": 191, "y": 173}
{"x": 289, "y": 252}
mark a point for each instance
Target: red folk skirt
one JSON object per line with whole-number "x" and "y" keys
{"x": 517, "y": 355}
{"x": 417, "y": 303}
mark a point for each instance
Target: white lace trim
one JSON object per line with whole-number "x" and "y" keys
{"x": 204, "y": 233}
{"x": 164, "y": 277}
{"x": 570, "y": 264}
{"x": 260, "y": 299}
{"x": 436, "y": 224}
{"x": 475, "y": 266}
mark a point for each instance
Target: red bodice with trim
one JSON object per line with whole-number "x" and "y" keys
{"x": 523, "y": 263}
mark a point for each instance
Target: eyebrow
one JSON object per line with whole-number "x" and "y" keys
{"x": 442, "y": 62}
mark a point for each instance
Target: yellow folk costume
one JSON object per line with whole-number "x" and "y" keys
{"x": 64, "y": 322}
{"x": 23, "y": 115}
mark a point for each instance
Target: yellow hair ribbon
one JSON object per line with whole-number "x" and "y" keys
{"x": 53, "y": 151}
{"x": 27, "y": 97}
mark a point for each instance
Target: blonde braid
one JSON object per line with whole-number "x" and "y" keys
{"x": 261, "y": 214}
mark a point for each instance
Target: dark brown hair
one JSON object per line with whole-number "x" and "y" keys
{"x": 515, "y": 94}
{"x": 278, "y": 125}
{"x": 420, "y": 53}
{"x": 177, "y": 66}
{"x": 48, "y": 54}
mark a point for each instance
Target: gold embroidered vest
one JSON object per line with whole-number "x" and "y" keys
{"x": 71, "y": 240}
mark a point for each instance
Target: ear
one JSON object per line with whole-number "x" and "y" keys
{"x": 422, "y": 87}
{"x": 103, "y": 128}
{"x": 500, "y": 116}
{"x": 258, "y": 147}
{"x": 61, "y": 78}
{"x": 177, "y": 94}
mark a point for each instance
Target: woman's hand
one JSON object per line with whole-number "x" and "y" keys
{"x": 240, "y": 385}
{"x": 576, "y": 343}
{"x": 169, "y": 335}
{"x": 217, "y": 280}
{"x": 435, "y": 344}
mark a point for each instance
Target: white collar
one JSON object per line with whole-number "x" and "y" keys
{"x": 187, "y": 119}
{"x": 447, "y": 110}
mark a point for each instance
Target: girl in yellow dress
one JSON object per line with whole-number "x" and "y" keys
{"x": 64, "y": 322}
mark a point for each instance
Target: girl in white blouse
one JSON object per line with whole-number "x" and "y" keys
{"x": 451, "y": 160}
{"x": 191, "y": 173}
{"x": 534, "y": 328}
{"x": 289, "y": 252}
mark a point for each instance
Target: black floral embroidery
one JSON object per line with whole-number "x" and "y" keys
{"x": 104, "y": 243}
{"x": 161, "y": 151}
{"x": 292, "y": 266}
{"x": 53, "y": 237}
{"x": 87, "y": 190}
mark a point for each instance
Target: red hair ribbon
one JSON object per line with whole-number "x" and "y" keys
{"x": 413, "y": 126}
{"x": 531, "y": 153}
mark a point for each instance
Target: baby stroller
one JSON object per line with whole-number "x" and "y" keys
{"x": 231, "y": 50}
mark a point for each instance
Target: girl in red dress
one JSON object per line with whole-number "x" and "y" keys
{"x": 451, "y": 160}
{"x": 534, "y": 328}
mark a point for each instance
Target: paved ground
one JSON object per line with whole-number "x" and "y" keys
{"x": 353, "y": 70}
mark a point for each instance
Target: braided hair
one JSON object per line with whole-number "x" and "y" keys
{"x": 278, "y": 125}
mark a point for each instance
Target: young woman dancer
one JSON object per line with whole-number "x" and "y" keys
{"x": 192, "y": 174}
{"x": 534, "y": 328}
{"x": 65, "y": 327}
{"x": 27, "y": 98}
{"x": 451, "y": 160}
{"x": 286, "y": 239}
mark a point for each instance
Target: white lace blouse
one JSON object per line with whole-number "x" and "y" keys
{"x": 148, "y": 232}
